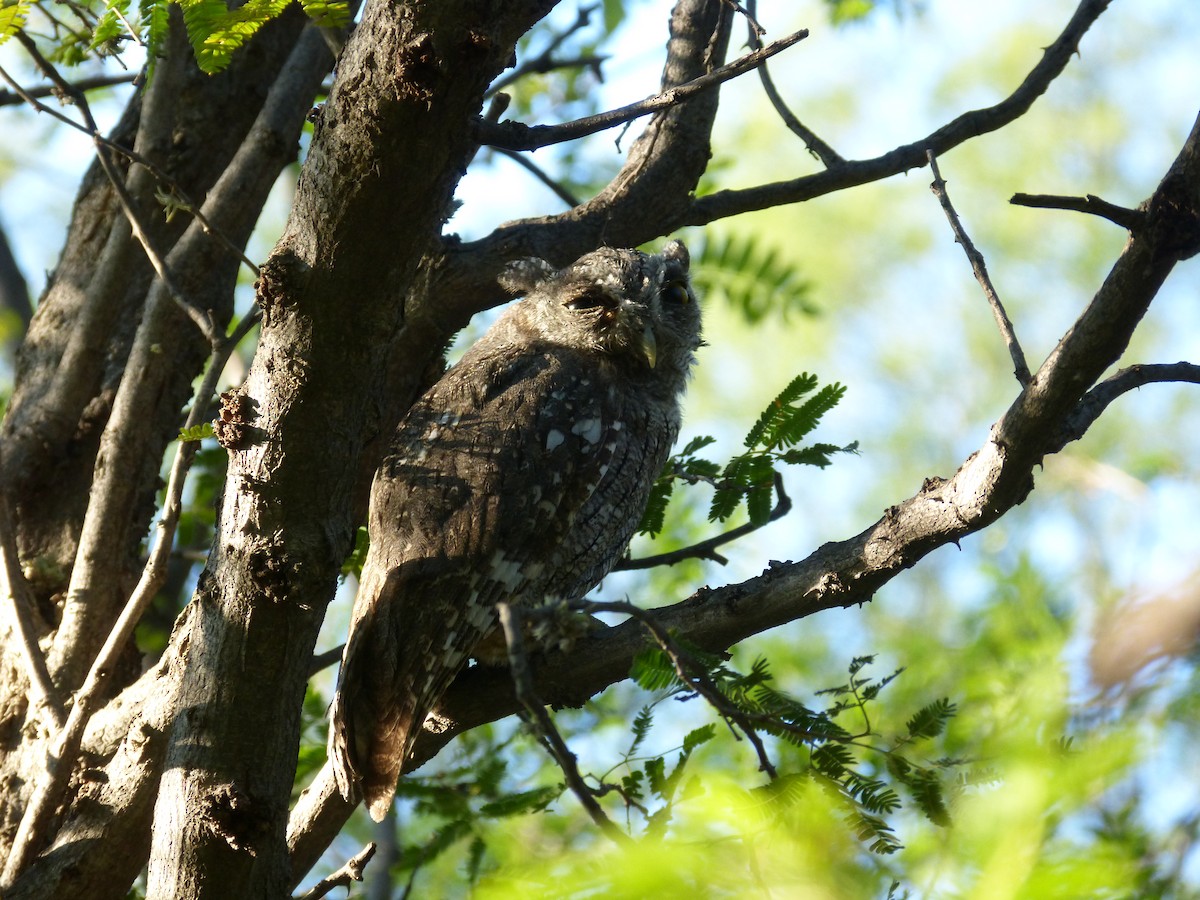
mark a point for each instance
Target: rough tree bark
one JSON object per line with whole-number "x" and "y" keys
{"x": 357, "y": 299}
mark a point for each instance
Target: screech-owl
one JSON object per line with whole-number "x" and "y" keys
{"x": 519, "y": 477}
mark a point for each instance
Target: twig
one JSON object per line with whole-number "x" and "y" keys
{"x": 512, "y": 622}
{"x": 516, "y": 136}
{"x": 756, "y": 30}
{"x": 545, "y": 61}
{"x": 12, "y": 98}
{"x": 965, "y": 127}
{"x": 41, "y": 689}
{"x": 1131, "y": 219}
{"x": 706, "y": 549}
{"x": 1020, "y": 368}
{"x": 202, "y": 318}
{"x": 185, "y": 202}
{"x": 692, "y": 674}
{"x": 61, "y": 760}
{"x": 324, "y": 660}
{"x": 540, "y": 174}
{"x": 1095, "y": 401}
{"x": 815, "y": 145}
{"x": 351, "y": 871}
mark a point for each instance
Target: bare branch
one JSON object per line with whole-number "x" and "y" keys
{"x": 979, "y": 267}
{"x": 707, "y": 549}
{"x": 202, "y": 319}
{"x": 35, "y": 822}
{"x": 350, "y": 872}
{"x": 12, "y": 98}
{"x": 41, "y": 689}
{"x": 1097, "y": 400}
{"x": 512, "y": 622}
{"x": 816, "y": 146}
{"x": 515, "y": 136}
{"x": 723, "y": 204}
{"x": 540, "y": 174}
{"x": 1130, "y": 219}
{"x": 175, "y": 191}
{"x": 545, "y": 61}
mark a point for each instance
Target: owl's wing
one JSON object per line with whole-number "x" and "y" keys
{"x": 488, "y": 495}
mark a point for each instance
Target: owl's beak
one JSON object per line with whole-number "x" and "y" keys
{"x": 650, "y": 346}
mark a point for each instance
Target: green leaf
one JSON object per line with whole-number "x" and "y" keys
{"x": 653, "y": 670}
{"x": 698, "y": 736}
{"x": 656, "y": 506}
{"x": 926, "y": 789}
{"x": 12, "y": 17}
{"x": 799, "y": 386}
{"x": 656, "y": 774}
{"x": 524, "y": 802}
{"x": 931, "y": 720}
{"x": 641, "y": 727}
{"x": 197, "y": 432}
{"x": 216, "y": 32}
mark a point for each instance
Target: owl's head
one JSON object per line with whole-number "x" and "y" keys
{"x": 633, "y": 307}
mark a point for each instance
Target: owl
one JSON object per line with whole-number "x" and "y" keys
{"x": 519, "y": 477}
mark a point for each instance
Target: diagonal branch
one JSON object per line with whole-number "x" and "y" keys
{"x": 513, "y": 624}
{"x": 203, "y": 319}
{"x": 707, "y": 549}
{"x": 722, "y": 204}
{"x": 1020, "y": 367}
{"x": 13, "y": 584}
{"x": 515, "y": 136}
{"x": 12, "y": 98}
{"x": 1128, "y": 379}
{"x": 817, "y": 147}
{"x": 35, "y": 822}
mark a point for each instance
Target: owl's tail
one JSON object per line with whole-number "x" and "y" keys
{"x": 384, "y": 694}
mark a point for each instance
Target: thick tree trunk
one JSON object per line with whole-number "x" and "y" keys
{"x": 59, "y": 455}
{"x": 333, "y": 296}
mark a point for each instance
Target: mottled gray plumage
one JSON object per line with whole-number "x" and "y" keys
{"x": 519, "y": 477}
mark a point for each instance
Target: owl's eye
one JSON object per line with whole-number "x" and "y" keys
{"x": 676, "y": 292}
{"x": 592, "y": 299}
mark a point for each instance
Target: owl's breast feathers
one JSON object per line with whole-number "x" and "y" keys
{"x": 519, "y": 477}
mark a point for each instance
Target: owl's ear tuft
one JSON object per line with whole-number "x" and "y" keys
{"x": 522, "y": 275}
{"x": 677, "y": 252}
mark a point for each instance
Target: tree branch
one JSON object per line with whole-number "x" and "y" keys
{"x": 350, "y": 872}
{"x": 1130, "y": 219}
{"x": 540, "y": 174}
{"x": 1097, "y": 400}
{"x": 32, "y": 833}
{"x": 722, "y": 204}
{"x": 13, "y": 98}
{"x": 203, "y": 319}
{"x": 979, "y": 267}
{"x": 515, "y": 136}
{"x": 514, "y": 627}
{"x": 817, "y": 147}
{"x": 706, "y": 549}
{"x": 545, "y": 61}
{"x": 41, "y": 690}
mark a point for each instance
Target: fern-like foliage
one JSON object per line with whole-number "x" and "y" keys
{"x": 845, "y": 755}
{"x": 750, "y": 476}
{"x": 749, "y": 276}
{"x": 771, "y": 442}
{"x": 215, "y": 30}
{"x": 13, "y": 14}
